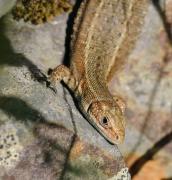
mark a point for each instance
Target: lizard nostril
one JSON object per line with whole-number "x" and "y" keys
{"x": 117, "y": 137}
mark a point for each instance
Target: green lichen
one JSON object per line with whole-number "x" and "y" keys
{"x": 40, "y": 11}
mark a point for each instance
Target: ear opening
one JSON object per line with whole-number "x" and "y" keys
{"x": 120, "y": 102}
{"x": 93, "y": 105}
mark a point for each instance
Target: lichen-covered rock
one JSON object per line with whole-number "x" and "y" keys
{"x": 55, "y": 141}
{"x": 51, "y": 121}
{"x": 10, "y": 146}
{"x": 122, "y": 174}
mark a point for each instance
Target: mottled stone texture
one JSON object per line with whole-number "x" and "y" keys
{"x": 42, "y": 134}
{"x": 146, "y": 84}
{"x": 38, "y": 127}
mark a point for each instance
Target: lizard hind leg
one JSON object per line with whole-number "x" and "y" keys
{"x": 63, "y": 73}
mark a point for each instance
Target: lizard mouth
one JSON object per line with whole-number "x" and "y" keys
{"x": 115, "y": 140}
{"x": 112, "y": 140}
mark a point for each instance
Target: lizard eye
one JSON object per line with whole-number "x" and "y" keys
{"x": 104, "y": 121}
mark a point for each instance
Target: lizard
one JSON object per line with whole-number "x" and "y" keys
{"x": 104, "y": 34}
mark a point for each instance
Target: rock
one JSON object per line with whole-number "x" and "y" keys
{"x": 5, "y": 6}
{"x": 146, "y": 83}
{"x": 51, "y": 138}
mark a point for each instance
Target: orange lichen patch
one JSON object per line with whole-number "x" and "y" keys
{"x": 77, "y": 149}
{"x": 151, "y": 170}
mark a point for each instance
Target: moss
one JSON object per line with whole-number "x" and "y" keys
{"x": 40, "y": 11}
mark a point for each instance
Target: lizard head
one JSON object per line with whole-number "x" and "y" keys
{"x": 108, "y": 119}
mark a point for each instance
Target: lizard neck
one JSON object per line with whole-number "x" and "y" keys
{"x": 94, "y": 92}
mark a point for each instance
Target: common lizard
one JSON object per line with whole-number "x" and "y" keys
{"x": 104, "y": 33}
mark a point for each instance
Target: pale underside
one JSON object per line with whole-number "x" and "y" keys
{"x": 105, "y": 32}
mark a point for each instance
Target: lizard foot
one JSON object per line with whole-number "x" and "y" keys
{"x": 62, "y": 73}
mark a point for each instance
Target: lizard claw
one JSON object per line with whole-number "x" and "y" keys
{"x": 49, "y": 71}
{"x": 50, "y": 83}
{"x": 51, "y": 86}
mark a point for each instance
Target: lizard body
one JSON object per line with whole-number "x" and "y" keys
{"x": 105, "y": 32}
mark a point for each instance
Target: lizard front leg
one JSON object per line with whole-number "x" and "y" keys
{"x": 63, "y": 73}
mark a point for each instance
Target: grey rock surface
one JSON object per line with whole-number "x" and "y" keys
{"x": 42, "y": 134}
{"x": 5, "y": 6}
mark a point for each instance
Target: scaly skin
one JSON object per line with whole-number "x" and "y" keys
{"x": 105, "y": 32}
